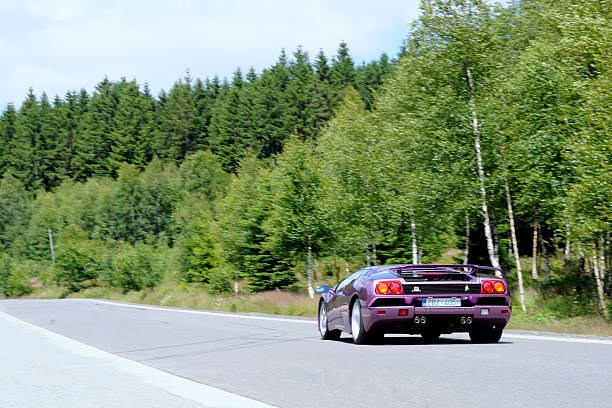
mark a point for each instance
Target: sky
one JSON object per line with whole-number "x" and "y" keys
{"x": 60, "y": 45}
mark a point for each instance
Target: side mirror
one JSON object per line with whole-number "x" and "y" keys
{"x": 322, "y": 289}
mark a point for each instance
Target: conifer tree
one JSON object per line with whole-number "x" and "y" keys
{"x": 7, "y": 133}
{"x": 131, "y": 123}
{"x": 93, "y": 144}
{"x": 51, "y": 144}
{"x": 300, "y": 83}
{"x": 343, "y": 68}
{"x": 176, "y": 132}
{"x": 24, "y": 149}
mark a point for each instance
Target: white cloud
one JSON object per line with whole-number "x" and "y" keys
{"x": 56, "y": 46}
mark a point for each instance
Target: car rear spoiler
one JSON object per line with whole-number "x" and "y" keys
{"x": 450, "y": 268}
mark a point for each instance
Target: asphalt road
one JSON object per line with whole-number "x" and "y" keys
{"x": 282, "y": 362}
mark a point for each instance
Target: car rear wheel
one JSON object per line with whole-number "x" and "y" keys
{"x": 326, "y": 334}
{"x": 360, "y": 336}
{"x": 485, "y": 335}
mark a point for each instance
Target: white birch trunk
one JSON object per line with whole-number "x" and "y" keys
{"x": 368, "y": 261}
{"x": 517, "y": 259}
{"x": 534, "y": 251}
{"x": 600, "y": 293}
{"x": 544, "y": 253}
{"x": 415, "y": 256}
{"x": 481, "y": 176}
{"x": 567, "y": 240}
{"x": 346, "y": 268}
{"x": 495, "y": 239}
{"x": 309, "y": 250}
{"x": 466, "y": 253}
{"x": 420, "y": 252}
{"x": 602, "y": 259}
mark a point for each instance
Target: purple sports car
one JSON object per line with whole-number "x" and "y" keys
{"x": 425, "y": 299}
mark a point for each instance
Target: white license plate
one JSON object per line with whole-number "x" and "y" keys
{"x": 442, "y": 302}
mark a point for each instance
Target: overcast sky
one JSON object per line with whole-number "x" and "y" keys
{"x": 61, "y": 45}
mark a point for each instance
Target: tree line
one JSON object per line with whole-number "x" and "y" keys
{"x": 490, "y": 132}
{"x": 80, "y": 136}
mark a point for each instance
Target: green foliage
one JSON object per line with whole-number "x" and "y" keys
{"x": 5, "y": 271}
{"x": 13, "y": 208}
{"x": 202, "y": 173}
{"x": 220, "y": 280}
{"x": 132, "y": 268}
{"x": 17, "y": 283}
{"x": 219, "y": 181}
{"x": 199, "y": 257}
{"x": 244, "y": 242}
{"x": 77, "y": 259}
{"x": 297, "y": 216}
{"x": 14, "y": 278}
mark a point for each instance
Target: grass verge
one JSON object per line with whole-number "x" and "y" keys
{"x": 171, "y": 293}
{"x": 193, "y": 297}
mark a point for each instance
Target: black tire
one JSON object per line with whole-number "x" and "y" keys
{"x": 360, "y": 335}
{"x": 486, "y": 335}
{"x": 430, "y": 336}
{"x": 326, "y": 334}
{"x": 376, "y": 337}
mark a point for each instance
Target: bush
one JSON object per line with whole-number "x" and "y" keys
{"x": 75, "y": 265}
{"x": 77, "y": 258}
{"x": 18, "y": 283}
{"x": 198, "y": 253}
{"x": 132, "y": 268}
{"x": 14, "y": 279}
{"x": 220, "y": 280}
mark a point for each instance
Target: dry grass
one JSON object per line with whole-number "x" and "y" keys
{"x": 449, "y": 256}
{"x": 592, "y": 325}
{"x": 193, "y": 297}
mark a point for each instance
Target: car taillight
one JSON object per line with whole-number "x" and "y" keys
{"x": 487, "y": 287}
{"x": 492, "y": 287}
{"x": 393, "y": 287}
{"x": 382, "y": 288}
{"x": 499, "y": 287}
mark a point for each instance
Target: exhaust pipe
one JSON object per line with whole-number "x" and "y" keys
{"x": 417, "y": 320}
{"x": 423, "y": 319}
{"x": 463, "y": 320}
{"x": 469, "y": 320}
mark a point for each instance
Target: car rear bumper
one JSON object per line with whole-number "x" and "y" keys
{"x": 445, "y": 319}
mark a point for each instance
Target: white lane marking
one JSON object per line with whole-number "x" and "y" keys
{"x": 239, "y": 316}
{"x": 555, "y": 338}
{"x": 182, "y": 387}
{"x": 200, "y": 312}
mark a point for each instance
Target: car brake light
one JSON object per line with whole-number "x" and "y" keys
{"x": 382, "y": 288}
{"x": 487, "y": 287}
{"x": 393, "y": 287}
{"x": 499, "y": 287}
{"x": 493, "y": 287}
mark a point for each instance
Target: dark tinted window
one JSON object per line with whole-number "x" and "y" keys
{"x": 351, "y": 278}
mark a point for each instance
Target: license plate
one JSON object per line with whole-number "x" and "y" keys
{"x": 441, "y": 302}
